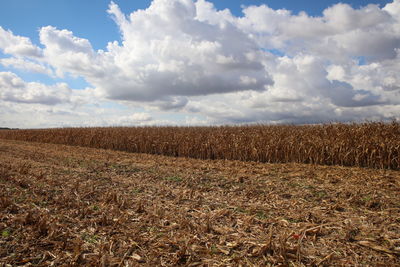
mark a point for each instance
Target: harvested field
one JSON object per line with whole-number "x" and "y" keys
{"x": 374, "y": 145}
{"x": 65, "y": 205}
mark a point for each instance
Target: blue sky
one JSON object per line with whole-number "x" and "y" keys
{"x": 338, "y": 63}
{"x": 90, "y": 20}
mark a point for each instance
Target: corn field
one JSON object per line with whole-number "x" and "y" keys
{"x": 374, "y": 144}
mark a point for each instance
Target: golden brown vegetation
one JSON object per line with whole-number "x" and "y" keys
{"x": 73, "y": 206}
{"x": 375, "y": 145}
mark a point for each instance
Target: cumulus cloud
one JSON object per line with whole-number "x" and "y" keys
{"x": 26, "y": 65}
{"x": 186, "y": 56}
{"x": 304, "y": 92}
{"x": 166, "y": 54}
{"x": 71, "y": 54}
{"x": 17, "y": 45}
{"x": 340, "y": 33}
{"x": 14, "y": 89}
{"x": 140, "y": 118}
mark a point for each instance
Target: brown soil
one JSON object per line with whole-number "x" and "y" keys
{"x": 65, "y": 205}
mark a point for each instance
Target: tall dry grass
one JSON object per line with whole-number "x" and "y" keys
{"x": 372, "y": 144}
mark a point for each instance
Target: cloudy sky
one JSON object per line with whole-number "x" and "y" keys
{"x": 187, "y": 62}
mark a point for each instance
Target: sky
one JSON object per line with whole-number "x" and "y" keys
{"x": 71, "y": 63}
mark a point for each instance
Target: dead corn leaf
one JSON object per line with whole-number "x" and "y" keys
{"x": 376, "y": 247}
{"x": 224, "y": 250}
{"x": 232, "y": 244}
{"x": 136, "y": 257}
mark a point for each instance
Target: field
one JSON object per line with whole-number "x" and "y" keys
{"x": 69, "y": 205}
{"x": 374, "y": 145}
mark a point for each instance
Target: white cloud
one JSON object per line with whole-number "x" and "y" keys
{"x": 68, "y": 53}
{"x": 340, "y": 33}
{"x": 393, "y": 9}
{"x": 141, "y": 117}
{"x": 26, "y": 65}
{"x": 303, "y": 92}
{"x": 14, "y": 89}
{"x": 17, "y": 45}
{"x": 166, "y": 54}
{"x": 135, "y": 119}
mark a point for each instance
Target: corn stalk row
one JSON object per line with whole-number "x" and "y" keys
{"x": 374, "y": 144}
